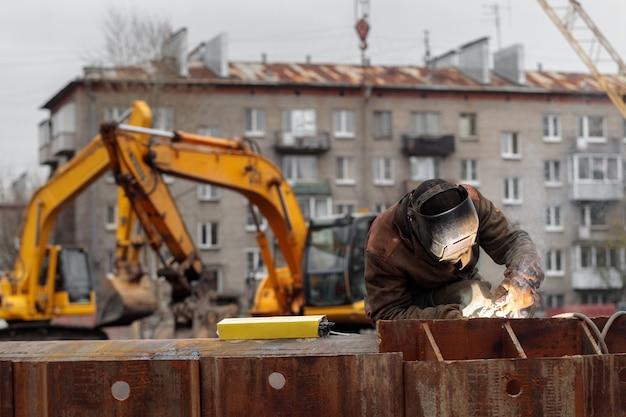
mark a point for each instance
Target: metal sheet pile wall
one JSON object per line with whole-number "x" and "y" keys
{"x": 502, "y": 367}
{"x": 475, "y": 367}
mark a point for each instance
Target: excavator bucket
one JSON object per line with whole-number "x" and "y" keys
{"x": 121, "y": 301}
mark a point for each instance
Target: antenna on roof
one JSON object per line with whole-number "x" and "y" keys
{"x": 427, "y": 57}
{"x": 495, "y": 13}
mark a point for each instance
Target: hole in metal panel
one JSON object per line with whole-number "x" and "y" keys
{"x": 621, "y": 375}
{"x": 276, "y": 380}
{"x": 514, "y": 387}
{"x": 120, "y": 390}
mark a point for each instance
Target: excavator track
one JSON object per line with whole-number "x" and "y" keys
{"x": 24, "y": 331}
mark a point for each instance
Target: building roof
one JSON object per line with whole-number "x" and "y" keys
{"x": 346, "y": 76}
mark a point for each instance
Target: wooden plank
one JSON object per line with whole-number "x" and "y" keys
{"x": 303, "y": 386}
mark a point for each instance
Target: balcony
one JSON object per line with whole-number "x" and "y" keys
{"x": 596, "y": 233}
{"x": 311, "y": 188}
{"x": 596, "y": 191}
{"x": 297, "y": 143}
{"x": 591, "y": 279}
{"x": 426, "y": 145}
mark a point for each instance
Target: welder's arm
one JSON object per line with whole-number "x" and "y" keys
{"x": 388, "y": 296}
{"x": 508, "y": 244}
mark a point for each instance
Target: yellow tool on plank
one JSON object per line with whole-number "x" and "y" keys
{"x": 279, "y": 327}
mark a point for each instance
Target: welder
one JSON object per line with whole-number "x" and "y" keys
{"x": 422, "y": 255}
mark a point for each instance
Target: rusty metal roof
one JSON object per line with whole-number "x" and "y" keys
{"x": 355, "y": 75}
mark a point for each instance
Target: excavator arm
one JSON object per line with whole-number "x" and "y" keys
{"x": 139, "y": 163}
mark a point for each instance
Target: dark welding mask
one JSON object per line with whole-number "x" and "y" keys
{"x": 445, "y": 221}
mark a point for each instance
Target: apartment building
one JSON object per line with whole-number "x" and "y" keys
{"x": 547, "y": 148}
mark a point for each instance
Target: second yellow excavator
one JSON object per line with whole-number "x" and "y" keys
{"x": 324, "y": 258}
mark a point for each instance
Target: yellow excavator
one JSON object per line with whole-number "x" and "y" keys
{"x": 50, "y": 281}
{"x": 324, "y": 258}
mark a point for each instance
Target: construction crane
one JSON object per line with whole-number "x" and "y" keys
{"x": 591, "y": 46}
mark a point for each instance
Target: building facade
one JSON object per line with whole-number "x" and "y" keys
{"x": 547, "y": 148}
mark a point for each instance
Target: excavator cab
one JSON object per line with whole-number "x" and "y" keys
{"x": 334, "y": 267}
{"x": 73, "y": 274}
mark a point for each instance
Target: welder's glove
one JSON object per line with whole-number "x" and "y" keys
{"x": 479, "y": 301}
{"x": 518, "y": 290}
{"x": 472, "y": 296}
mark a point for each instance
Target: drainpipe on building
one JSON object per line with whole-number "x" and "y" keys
{"x": 94, "y": 248}
{"x": 367, "y": 91}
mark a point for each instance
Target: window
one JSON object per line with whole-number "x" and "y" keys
{"x": 212, "y": 131}
{"x": 343, "y": 123}
{"x": 380, "y": 207}
{"x": 208, "y": 192}
{"x": 64, "y": 120}
{"x": 511, "y": 191}
{"x": 467, "y": 126}
{"x": 594, "y": 297}
{"x": 593, "y": 215}
{"x": 553, "y": 218}
{"x": 300, "y": 168}
{"x": 162, "y": 118}
{"x": 555, "y": 300}
{"x": 114, "y": 113}
{"x": 382, "y": 125}
{"x": 469, "y": 172}
{"x": 255, "y": 122}
{"x": 251, "y": 215}
{"x": 255, "y": 268}
{"x": 208, "y": 235}
{"x": 551, "y": 128}
{"x": 346, "y": 170}
{"x": 425, "y": 168}
{"x": 300, "y": 122}
{"x": 552, "y": 173}
{"x": 345, "y": 208}
{"x": 591, "y": 256}
{"x": 214, "y": 278}
{"x": 110, "y": 217}
{"x": 510, "y": 145}
{"x": 424, "y": 124}
{"x": 554, "y": 262}
{"x": 314, "y": 207}
{"x": 596, "y": 168}
{"x": 382, "y": 171}
{"x": 591, "y": 128}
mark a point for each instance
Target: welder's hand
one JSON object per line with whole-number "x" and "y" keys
{"x": 478, "y": 302}
{"x": 517, "y": 291}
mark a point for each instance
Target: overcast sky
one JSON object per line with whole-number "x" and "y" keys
{"x": 44, "y": 43}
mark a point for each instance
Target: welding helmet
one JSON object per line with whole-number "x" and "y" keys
{"x": 444, "y": 219}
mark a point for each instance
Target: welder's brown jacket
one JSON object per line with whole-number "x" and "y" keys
{"x": 403, "y": 281}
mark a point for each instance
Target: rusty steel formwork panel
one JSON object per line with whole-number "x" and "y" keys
{"x": 6, "y": 389}
{"x": 100, "y": 378}
{"x": 344, "y": 385}
{"x": 342, "y": 375}
{"x": 502, "y": 367}
{"x": 332, "y": 376}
